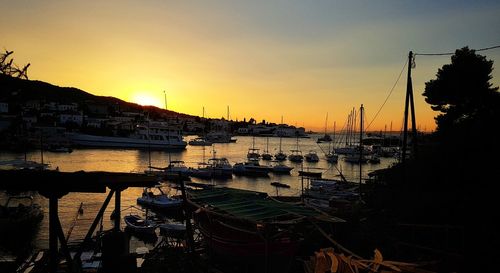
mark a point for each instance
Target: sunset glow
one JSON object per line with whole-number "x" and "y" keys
{"x": 265, "y": 60}
{"x": 146, "y": 100}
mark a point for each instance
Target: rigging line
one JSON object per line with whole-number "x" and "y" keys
{"x": 451, "y": 53}
{"x": 392, "y": 89}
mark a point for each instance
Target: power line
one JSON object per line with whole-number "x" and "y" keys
{"x": 390, "y": 92}
{"x": 451, "y": 53}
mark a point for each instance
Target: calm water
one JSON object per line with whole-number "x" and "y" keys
{"x": 116, "y": 160}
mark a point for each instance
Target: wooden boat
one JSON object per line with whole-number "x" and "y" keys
{"x": 251, "y": 227}
{"x": 137, "y": 224}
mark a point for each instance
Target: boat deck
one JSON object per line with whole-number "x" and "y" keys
{"x": 254, "y": 206}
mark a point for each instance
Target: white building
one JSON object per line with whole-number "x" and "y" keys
{"x": 67, "y": 107}
{"x": 71, "y": 118}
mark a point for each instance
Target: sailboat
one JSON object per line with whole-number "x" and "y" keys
{"x": 201, "y": 141}
{"x": 357, "y": 155}
{"x": 326, "y": 137}
{"x": 266, "y": 155}
{"x": 296, "y": 155}
{"x": 331, "y": 156}
{"x": 253, "y": 153}
{"x": 280, "y": 155}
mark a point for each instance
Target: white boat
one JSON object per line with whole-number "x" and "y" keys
{"x": 251, "y": 167}
{"x": 137, "y": 224}
{"x": 220, "y": 167}
{"x": 199, "y": 141}
{"x": 158, "y": 201}
{"x": 143, "y": 137}
{"x": 219, "y": 137}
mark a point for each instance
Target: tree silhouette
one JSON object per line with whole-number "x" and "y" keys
{"x": 462, "y": 92}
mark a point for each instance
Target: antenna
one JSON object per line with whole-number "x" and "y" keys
{"x": 165, "y": 95}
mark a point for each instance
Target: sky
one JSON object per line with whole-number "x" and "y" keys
{"x": 265, "y": 59}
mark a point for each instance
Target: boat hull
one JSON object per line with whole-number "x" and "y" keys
{"x": 85, "y": 140}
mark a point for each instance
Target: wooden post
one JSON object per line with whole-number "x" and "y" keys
{"x": 53, "y": 245}
{"x": 117, "y": 210}
{"x": 189, "y": 228}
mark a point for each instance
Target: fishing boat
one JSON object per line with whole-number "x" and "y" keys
{"x": 137, "y": 224}
{"x": 251, "y": 227}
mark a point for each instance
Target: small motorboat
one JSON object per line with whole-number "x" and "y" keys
{"x": 281, "y": 185}
{"x": 310, "y": 174}
{"x": 158, "y": 201}
{"x": 281, "y": 168}
{"x": 136, "y": 223}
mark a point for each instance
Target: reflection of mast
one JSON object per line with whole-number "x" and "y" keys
{"x": 360, "y": 145}
{"x": 149, "y": 145}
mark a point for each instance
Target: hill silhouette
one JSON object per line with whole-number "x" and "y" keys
{"x": 16, "y": 91}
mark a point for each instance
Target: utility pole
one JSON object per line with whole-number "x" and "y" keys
{"x": 409, "y": 103}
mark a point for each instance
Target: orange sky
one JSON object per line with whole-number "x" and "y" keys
{"x": 263, "y": 60}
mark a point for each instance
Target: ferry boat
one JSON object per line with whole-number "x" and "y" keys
{"x": 143, "y": 137}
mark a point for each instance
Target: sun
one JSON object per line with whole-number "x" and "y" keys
{"x": 146, "y": 100}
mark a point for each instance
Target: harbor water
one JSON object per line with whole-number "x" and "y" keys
{"x": 131, "y": 160}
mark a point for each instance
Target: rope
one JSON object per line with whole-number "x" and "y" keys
{"x": 451, "y": 53}
{"x": 390, "y": 92}
{"x": 335, "y": 242}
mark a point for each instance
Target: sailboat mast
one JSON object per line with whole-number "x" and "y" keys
{"x": 326, "y": 122}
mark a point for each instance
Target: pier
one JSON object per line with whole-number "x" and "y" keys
{"x": 54, "y": 185}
